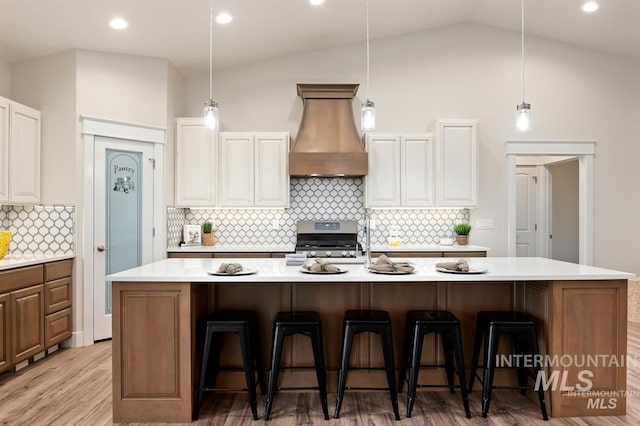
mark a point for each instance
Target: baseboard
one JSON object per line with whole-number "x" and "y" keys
{"x": 75, "y": 341}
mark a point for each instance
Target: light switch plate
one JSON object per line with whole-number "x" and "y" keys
{"x": 275, "y": 224}
{"x": 485, "y": 224}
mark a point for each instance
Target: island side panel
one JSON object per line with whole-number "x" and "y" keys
{"x": 152, "y": 352}
{"x": 590, "y": 318}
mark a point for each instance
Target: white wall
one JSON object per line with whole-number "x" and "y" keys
{"x": 468, "y": 71}
{"x": 47, "y": 83}
{"x": 123, "y": 88}
{"x": 564, "y": 199}
{"x": 5, "y": 79}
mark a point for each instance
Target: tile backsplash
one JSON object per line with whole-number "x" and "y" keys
{"x": 39, "y": 229}
{"x": 315, "y": 199}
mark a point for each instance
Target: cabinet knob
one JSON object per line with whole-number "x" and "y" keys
{"x": 101, "y": 248}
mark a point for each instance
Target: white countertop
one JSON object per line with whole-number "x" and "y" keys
{"x": 291, "y": 249}
{"x": 275, "y": 270}
{"x": 232, "y": 249}
{"x": 12, "y": 261}
{"x": 408, "y": 248}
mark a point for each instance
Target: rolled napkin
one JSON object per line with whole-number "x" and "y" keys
{"x": 461, "y": 265}
{"x": 321, "y": 266}
{"x": 384, "y": 264}
{"x": 230, "y": 268}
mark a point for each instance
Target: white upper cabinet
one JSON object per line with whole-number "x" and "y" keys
{"x": 272, "y": 169}
{"x": 236, "y": 169}
{"x": 383, "y": 177}
{"x": 457, "y": 163}
{"x": 196, "y": 164}
{"x": 400, "y": 171}
{"x": 254, "y": 169}
{"x": 417, "y": 159}
{"x": 20, "y": 150}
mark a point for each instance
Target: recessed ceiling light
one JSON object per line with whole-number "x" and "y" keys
{"x": 590, "y": 6}
{"x": 118, "y": 24}
{"x": 316, "y": 2}
{"x": 224, "y": 18}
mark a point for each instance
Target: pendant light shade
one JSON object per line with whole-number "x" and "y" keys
{"x": 211, "y": 106}
{"x": 368, "y": 118}
{"x": 368, "y": 111}
{"x": 523, "y": 110}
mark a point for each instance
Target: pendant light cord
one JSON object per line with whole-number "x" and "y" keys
{"x": 522, "y": 48}
{"x": 211, "y": 49}
{"x": 367, "y": 15}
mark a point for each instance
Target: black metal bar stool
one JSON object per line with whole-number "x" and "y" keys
{"x": 289, "y": 323}
{"x": 360, "y": 321}
{"x": 418, "y": 324}
{"x": 245, "y": 324}
{"x": 490, "y": 325}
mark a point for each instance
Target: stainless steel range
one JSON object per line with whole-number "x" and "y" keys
{"x": 332, "y": 238}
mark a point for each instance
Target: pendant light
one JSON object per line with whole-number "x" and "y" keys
{"x": 368, "y": 111}
{"x": 211, "y": 107}
{"x": 523, "y": 111}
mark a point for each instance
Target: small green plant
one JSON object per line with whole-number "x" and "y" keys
{"x": 462, "y": 228}
{"x": 207, "y": 227}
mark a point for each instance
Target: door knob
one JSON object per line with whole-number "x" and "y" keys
{"x": 101, "y": 248}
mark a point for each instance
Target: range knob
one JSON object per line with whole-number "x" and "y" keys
{"x": 352, "y": 253}
{"x": 344, "y": 253}
{"x": 328, "y": 253}
{"x": 312, "y": 254}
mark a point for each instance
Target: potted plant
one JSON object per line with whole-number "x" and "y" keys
{"x": 462, "y": 229}
{"x": 207, "y": 233}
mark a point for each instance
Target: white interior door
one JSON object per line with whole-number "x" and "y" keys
{"x": 526, "y": 227}
{"x": 123, "y": 217}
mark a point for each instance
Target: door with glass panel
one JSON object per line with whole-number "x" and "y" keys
{"x": 123, "y": 217}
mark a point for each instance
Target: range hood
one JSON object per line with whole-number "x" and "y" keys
{"x": 327, "y": 143}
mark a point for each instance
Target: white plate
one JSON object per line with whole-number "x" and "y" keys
{"x": 471, "y": 271}
{"x": 373, "y": 271}
{"x": 340, "y": 271}
{"x": 225, "y": 274}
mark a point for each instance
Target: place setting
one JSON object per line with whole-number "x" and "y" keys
{"x": 460, "y": 266}
{"x": 384, "y": 265}
{"x": 321, "y": 267}
{"x": 232, "y": 269}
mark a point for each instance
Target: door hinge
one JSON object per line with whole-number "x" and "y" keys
{"x": 153, "y": 162}
{"x": 535, "y": 179}
{"x": 550, "y": 236}
{"x": 535, "y": 227}
{"x": 153, "y": 234}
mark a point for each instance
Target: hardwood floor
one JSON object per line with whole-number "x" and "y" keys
{"x": 73, "y": 387}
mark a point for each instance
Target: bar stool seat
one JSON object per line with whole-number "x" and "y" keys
{"x": 490, "y": 325}
{"x": 245, "y": 324}
{"x": 447, "y": 325}
{"x": 287, "y": 324}
{"x": 374, "y": 321}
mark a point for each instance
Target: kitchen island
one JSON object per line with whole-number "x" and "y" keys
{"x": 581, "y": 310}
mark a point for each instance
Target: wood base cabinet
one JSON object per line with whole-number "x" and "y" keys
{"x": 35, "y": 310}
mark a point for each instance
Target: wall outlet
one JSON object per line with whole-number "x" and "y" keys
{"x": 373, "y": 223}
{"x": 275, "y": 224}
{"x": 485, "y": 224}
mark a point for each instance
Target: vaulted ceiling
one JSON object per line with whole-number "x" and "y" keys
{"x": 179, "y": 29}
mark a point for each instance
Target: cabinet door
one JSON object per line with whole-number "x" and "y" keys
{"x": 5, "y": 332}
{"x": 24, "y": 154}
{"x": 27, "y": 311}
{"x": 383, "y": 178}
{"x": 417, "y": 166}
{"x": 236, "y": 169}
{"x": 457, "y": 163}
{"x": 196, "y": 164}
{"x": 4, "y": 149}
{"x": 272, "y": 169}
